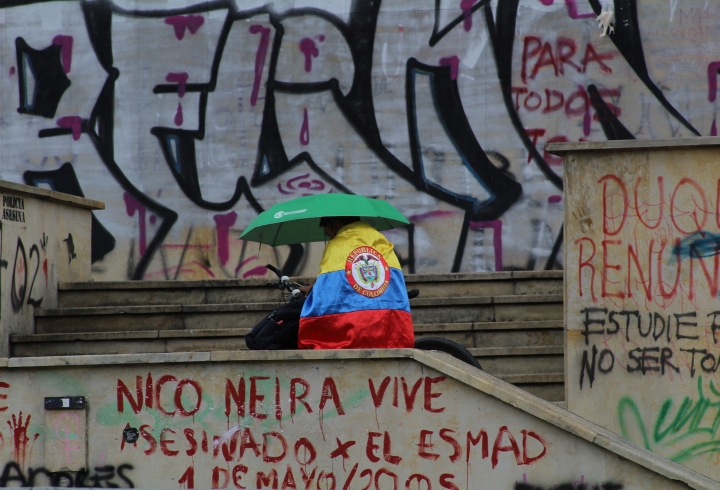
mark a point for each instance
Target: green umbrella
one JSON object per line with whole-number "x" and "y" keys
{"x": 298, "y": 220}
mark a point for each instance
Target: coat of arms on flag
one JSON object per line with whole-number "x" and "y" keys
{"x": 367, "y": 272}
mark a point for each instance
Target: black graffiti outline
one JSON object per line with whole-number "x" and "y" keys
{"x": 99, "y": 127}
{"x": 438, "y": 34}
{"x": 51, "y": 82}
{"x": 627, "y": 39}
{"x": 359, "y": 32}
{"x": 77, "y": 480}
{"x": 30, "y": 300}
{"x": 17, "y": 298}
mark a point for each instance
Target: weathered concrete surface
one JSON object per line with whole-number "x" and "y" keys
{"x": 127, "y": 293}
{"x": 641, "y": 278}
{"x": 325, "y": 419}
{"x": 534, "y": 307}
{"x": 44, "y": 239}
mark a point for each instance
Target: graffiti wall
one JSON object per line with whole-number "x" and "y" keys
{"x": 303, "y": 424}
{"x": 642, "y": 310}
{"x": 188, "y": 119}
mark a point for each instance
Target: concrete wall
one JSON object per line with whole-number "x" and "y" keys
{"x": 641, "y": 295}
{"x": 44, "y": 239}
{"x": 363, "y": 419}
{"x": 187, "y": 119}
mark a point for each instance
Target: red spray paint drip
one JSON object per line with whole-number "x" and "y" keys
{"x": 466, "y": 6}
{"x": 305, "y": 130}
{"x": 223, "y": 222}
{"x": 179, "y": 115}
{"x": 182, "y": 22}
{"x": 179, "y": 78}
{"x": 66, "y": 44}
{"x": 309, "y": 49}
{"x": 132, "y": 206}
{"x": 259, "y": 58}
{"x": 712, "y": 73}
{"x": 72, "y": 122}
{"x": 452, "y": 62}
{"x": 713, "y": 128}
{"x": 20, "y": 438}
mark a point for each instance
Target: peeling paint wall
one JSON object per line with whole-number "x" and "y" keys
{"x": 642, "y": 315}
{"x": 325, "y": 424}
{"x": 188, "y": 120}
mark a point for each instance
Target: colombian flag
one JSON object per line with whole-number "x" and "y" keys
{"x": 359, "y": 300}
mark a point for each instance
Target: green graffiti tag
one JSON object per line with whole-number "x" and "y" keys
{"x": 691, "y": 432}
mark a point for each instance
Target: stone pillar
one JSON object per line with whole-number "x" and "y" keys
{"x": 44, "y": 240}
{"x": 642, "y": 312}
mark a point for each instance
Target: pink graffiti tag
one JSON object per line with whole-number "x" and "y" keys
{"x": 260, "y": 270}
{"x": 223, "y": 222}
{"x": 452, "y": 62}
{"x": 712, "y": 74}
{"x": 72, "y": 122}
{"x": 305, "y": 130}
{"x": 259, "y": 58}
{"x": 307, "y": 186}
{"x": 178, "y": 115}
{"x": 496, "y": 226}
{"x": 573, "y": 11}
{"x": 66, "y": 44}
{"x": 466, "y": 6}
{"x": 182, "y": 22}
{"x": 132, "y": 206}
{"x": 179, "y": 78}
{"x": 309, "y": 49}
{"x": 71, "y": 439}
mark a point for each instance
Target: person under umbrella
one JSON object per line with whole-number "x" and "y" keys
{"x": 359, "y": 300}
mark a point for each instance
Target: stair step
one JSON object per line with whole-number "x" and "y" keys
{"x": 246, "y": 315}
{"x": 429, "y": 328}
{"x": 533, "y": 378}
{"x": 127, "y": 293}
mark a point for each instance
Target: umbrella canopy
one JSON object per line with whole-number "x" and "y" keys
{"x": 298, "y": 220}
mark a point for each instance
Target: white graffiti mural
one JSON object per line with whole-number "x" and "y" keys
{"x": 188, "y": 120}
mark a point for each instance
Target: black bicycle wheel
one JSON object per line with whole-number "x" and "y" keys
{"x": 449, "y": 347}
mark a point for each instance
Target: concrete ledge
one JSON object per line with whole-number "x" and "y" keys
{"x": 219, "y": 356}
{"x": 236, "y": 283}
{"x": 487, "y": 300}
{"x": 533, "y": 378}
{"x": 48, "y": 195}
{"x": 29, "y": 362}
{"x": 563, "y": 419}
{"x": 489, "y": 325}
{"x": 672, "y": 144}
{"x": 541, "y": 350}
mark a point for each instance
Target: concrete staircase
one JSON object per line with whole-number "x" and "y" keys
{"x": 511, "y": 321}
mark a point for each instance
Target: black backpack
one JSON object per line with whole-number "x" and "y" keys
{"x": 278, "y": 330}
